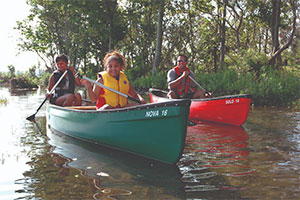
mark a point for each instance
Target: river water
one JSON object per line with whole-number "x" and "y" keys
{"x": 260, "y": 160}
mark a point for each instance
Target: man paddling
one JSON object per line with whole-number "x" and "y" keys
{"x": 179, "y": 82}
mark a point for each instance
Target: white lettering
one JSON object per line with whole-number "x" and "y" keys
{"x": 156, "y": 113}
{"x": 232, "y": 101}
{"x": 152, "y": 113}
{"x": 229, "y": 101}
{"x": 164, "y": 112}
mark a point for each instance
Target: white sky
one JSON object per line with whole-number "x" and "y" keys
{"x": 10, "y": 12}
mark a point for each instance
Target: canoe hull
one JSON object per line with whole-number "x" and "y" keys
{"x": 156, "y": 131}
{"x": 232, "y": 109}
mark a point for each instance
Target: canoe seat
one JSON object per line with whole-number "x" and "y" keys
{"x": 82, "y": 107}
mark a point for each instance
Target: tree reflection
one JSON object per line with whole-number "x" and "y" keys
{"x": 49, "y": 176}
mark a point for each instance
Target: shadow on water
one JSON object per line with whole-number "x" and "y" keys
{"x": 215, "y": 158}
{"x": 103, "y": 172}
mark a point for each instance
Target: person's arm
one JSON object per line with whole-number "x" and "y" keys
{"x": 135, "y": 95}
{"x": 174, "y": 83}
{"x": 92, "y": 92}
{"x": 50, "y": 86}
{"x": 194, "y": 87}
{"x": 77, "y": 79}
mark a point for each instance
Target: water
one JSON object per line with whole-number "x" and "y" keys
{"x": 257, "y": 161}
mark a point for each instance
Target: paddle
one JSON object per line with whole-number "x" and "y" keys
{"x": 110, "y": 89}
{"x": 199, "y": 85}
{"x": 31, "y": 117}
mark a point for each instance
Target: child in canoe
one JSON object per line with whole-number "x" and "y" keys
{"x": 64, "y": 93}
{"x": 112, "y": 77}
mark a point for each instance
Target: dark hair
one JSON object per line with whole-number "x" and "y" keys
{"x": 115, "y": 55}
{"x": 61, "y": 57}
{"x": 186, "y": 58}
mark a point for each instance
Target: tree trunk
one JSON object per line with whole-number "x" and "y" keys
{"x": 111, "y": 7}
{"x": 275, "y": 27}
{"x": 159, "y": 35}
{"x": 222, "y": 34}
{"x": 276, "y": 51}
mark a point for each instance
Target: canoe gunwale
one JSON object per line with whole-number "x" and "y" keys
{"x": 173, "y": 102}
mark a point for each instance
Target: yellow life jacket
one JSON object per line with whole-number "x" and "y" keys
{"x": 121, "y": 85}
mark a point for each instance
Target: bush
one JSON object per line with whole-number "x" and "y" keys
{"x": 278, "y": 88}
{"x": 157, "y": 80}
{"x": 44, "y": 79}
{"x": 247, "y": 61}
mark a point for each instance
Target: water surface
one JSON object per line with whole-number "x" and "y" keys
{"x": 259, "y": 160}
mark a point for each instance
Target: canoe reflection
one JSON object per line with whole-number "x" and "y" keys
{"x": 119, "y": 172}
{"x": 215, "y": 159}
{"x": 221, "y": 145}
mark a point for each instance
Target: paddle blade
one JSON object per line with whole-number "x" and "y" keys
{"x": 31, "y": 118}
{"x": 191, "y": 123}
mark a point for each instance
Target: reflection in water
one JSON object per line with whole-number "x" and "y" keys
{"x": 214, "y": 154}
{"x": 121, "y": 173}
{"x": 49, "y": 176}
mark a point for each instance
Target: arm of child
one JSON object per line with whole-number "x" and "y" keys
{"x": 50, "y": 86}
{"x": 77, "y": 79}
{"x": 93, "y": 93}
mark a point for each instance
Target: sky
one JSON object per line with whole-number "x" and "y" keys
{"x": 10, "y": 12}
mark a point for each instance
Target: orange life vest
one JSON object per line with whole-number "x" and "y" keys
{"x": 187, "y": 82}
{"x": 109, "y": 97}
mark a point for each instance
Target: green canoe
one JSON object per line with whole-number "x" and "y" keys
{"x": 156, "y": 131}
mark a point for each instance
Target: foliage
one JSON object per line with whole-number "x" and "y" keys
{"x": 44, "y": 79}
{"x": 277, "y": 88}
{"x": 157, "y": 80}
{"x": 86, "y": 30}
{"x": 24, "y": 81}
{"x": 4, "y": 77}
{"x": 3, "y": 100}
{"x": 12, "y": 71}
{"x": 247, "y": 61}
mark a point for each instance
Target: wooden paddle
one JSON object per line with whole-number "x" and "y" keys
{"x": 110, "y": 89}
{"x": 199, "y": 86}
{"x": 32, "y": 117}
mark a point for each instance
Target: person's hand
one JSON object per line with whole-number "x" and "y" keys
{"x": 142, "y": 100}
{"x": 48, "y": 95}
{"x": 185, "y": 74}
{"x": 72, "y": 69}
{"x": 208, "y": 94}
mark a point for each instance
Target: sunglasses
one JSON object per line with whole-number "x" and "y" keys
{"x": 181, "y": 61}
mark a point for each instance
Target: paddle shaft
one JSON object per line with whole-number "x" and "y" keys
{"x": 110, "y": 89}
{"x": 198, "y": 84}
{"x": 59, "y": 80}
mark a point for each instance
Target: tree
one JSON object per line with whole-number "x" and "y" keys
{"x": 159, "y": 35}
{"x": 12, "y": 70}
{"x": 276, "y": 50}
{"x": 223, "y": 34}
{"x": 84, "y": 30}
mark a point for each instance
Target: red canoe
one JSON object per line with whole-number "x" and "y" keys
{"x": 232, "y": 109}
